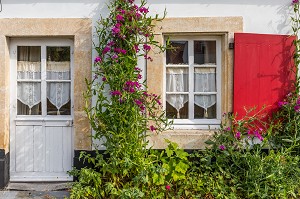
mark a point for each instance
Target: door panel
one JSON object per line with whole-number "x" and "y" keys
{"x": 41, "y": 133}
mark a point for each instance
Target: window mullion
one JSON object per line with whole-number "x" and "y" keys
{"x": 43, "y": 79}
{"x": 191, "y": 78}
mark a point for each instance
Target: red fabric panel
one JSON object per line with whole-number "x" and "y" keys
{"x": 263, "y": 72}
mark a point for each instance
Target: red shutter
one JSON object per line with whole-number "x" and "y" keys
{"x": 262, "y": 71}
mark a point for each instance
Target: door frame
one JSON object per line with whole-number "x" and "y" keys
{"x": 44, "y": 120}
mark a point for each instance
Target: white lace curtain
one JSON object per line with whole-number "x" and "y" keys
{"x": 58, "y": 93}
{"x": 29, "y": 92}
{"x": 204, "y": 81}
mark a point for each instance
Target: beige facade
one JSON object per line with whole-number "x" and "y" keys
{"x": 225, "y": 27}
{"x": 80, "y": 30}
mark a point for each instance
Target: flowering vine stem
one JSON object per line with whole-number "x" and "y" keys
{"x": 124, "y": 110}
{"x": 295, "y": 27}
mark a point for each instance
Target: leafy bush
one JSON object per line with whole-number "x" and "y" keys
{"x": 235, "y": 165}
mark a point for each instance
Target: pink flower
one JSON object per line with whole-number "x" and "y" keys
{"x": 228, "y": 129}
{"x": 135, "y": 7}
{"x": 130, "y": 1}
{"x": 158, "y": 102}
{"x": 168, "y": 187}
{"x": 105, "y": 50}
{"x": 238, "y": 135}
{"x": 138, "y": 102}
{"x": 298, "y": 101}
{"x": 297, "y": 108}
{"x": 144, "y": 10}
{"x": 142, "y": 108}
{"x": 104, "y": 79}
{"x": 152, "y": 128}
{"x": 139, "y": 76}
{"x": 118, "y": 25}
{"x": 122, "y": 11}
{"x": 115, "y": 57}
{"x": 119, "y": 18}
{"x": 147, "y": 57}
{"x": 137, "y": 69}
{"x": 222, "y": 147}
{"x": 258, "y": 135}
{"x": 136, "y": 48}
{"x": 146, "y": 94}
{"x": 123, "y": 51}
{"x": 114, "y": 93}
{"x": 281, "y": 104}
{"x": 138, "y": 15}
{"x": 115, "y": 30}
{"x": 146, "y": 47}
{"x": 111, "y": 43}
{"x": 98, "y": 59}
{"x": 295, "y": 1}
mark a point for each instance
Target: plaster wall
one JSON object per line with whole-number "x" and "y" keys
{"x": 260, "y": 16}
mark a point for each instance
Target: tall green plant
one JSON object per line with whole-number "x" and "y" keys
{"x": 287, "y": 131}
{"x": 296, "y": 27}
{"x": 124, "y": 110}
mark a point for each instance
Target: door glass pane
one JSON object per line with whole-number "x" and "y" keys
{"x": 29, "y": 62}
{"x": 178, "y": 52}
{"x": 205, "y": 52}
{"x": 177, "y": 106}
{"x": 29, "y": 90}
{"x": 177, "y": 79}
{"x": 29, "y": 98}
{"x": 58, "y": 98}
{"x": 58, "y": 63}
{"x": 205, "y": 80}
{"x": 205, "y": 106}
{"x": 58, "y": 72}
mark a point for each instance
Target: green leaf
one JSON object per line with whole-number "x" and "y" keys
{"x": 287, "y": 140}
{"x": 209, "y": 142}
{"x": 169, "y": 152}
{"x": 181, "y": 167}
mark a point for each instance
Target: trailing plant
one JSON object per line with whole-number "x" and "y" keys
{"x": 124, "y": 110}
{"x": 287, "y": 117}
{"x": 238, "y": 165}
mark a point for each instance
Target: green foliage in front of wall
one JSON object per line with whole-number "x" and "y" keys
{"x": 246, "y": 158}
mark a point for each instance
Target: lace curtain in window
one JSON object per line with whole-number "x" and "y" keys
{"x": 58, "y": 93}
{"x": 204, "y": 81}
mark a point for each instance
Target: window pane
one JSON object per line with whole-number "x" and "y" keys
{"x": 29, "y": 62}
{"x": 205, "y": 52}
{"x": 205, "y": 106}
{"x": 177, "y": 79}
{"x": 23, "y": 109}
{"x": 58, "y": 63}
{"x": 29, "y": 98}
{"x": 178, "y": 54}
{"x": 58, "y": 98}
{"x": 177, "y": 106}
{"x": 205, "y": 80}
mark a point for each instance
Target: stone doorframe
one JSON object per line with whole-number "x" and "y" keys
{"x": 80, "y": 30}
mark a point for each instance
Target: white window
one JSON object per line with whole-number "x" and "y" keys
{"x": 193, "y": 82}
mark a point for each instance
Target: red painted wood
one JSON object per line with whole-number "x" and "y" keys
{"x": 263, "y": 71}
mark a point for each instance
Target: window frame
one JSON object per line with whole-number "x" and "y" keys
{"x": 43, "y": 43}
{"x": 196, "y": 123}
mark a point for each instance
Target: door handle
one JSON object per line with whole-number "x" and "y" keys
{"x": 69, "y": 123}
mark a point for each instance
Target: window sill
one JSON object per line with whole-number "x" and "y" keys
{"x": 186, "y": 139}
{"x": 198, "y": 124}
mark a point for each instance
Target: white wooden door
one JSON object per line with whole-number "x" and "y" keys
{"x": 41, "y": 109}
